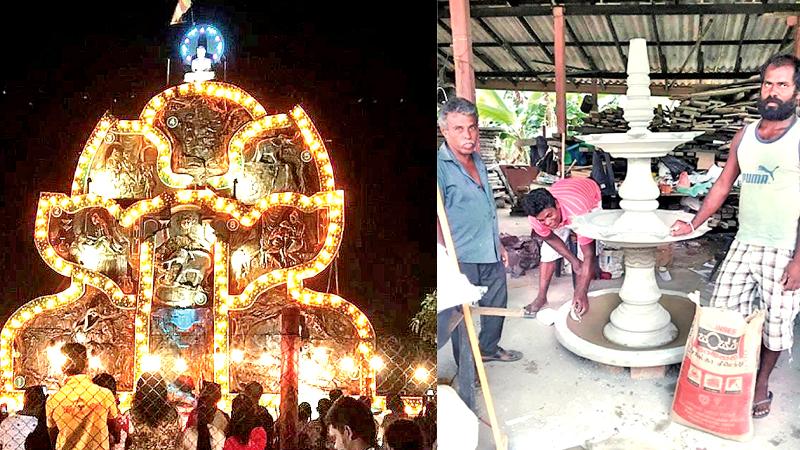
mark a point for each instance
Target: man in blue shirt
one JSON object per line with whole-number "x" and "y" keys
{"x": 472, "y": 216}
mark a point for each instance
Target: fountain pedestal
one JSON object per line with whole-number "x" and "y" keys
{"x": 640, "y": 321}
{"x": 634, "y": 326}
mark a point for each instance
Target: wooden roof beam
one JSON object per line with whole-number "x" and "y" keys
{"x": 622, "y": 56}
{"x": 738, "y": 65}
{"x": 709, "y": 42}
{"x": 636, "y": 9}
{"x": 622, "y": 75}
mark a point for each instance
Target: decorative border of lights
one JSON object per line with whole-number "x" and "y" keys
{"x": 250, "y": 130}
{"x": 144, "y": 302}
{"x": 26, "y": 313}
{"x": 248, "y": 216}
{"x": 144, "y": 126}
{"x": 329, "y": 199}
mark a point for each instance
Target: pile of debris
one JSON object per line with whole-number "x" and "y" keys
{"x": 523, "y": 253}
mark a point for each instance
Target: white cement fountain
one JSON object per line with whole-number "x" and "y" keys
{"x": 636, "y": 325}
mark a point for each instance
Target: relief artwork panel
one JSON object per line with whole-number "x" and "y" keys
{"x": 107, "y": 332}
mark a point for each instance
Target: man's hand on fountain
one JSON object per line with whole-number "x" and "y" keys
{"x": 680, "y": 228}
{"x": 580, "y": 304}
{"x": 791, "y": 276}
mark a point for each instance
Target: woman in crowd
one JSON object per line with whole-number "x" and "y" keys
{"x": 202, "y": 434}
{"x": 210, "y": 394}
{"x": 314, "y": 434}
{"x": 27, "y": 429}
{"x": 154, "y": 422}
{"x": 243, "y": 431}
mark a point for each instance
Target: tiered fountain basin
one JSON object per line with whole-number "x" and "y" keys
{"x": 638, "y": 324}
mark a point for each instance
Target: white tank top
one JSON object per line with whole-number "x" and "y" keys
{"x": 769, "y": 203}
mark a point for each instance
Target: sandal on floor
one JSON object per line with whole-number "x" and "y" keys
{"x": 503, "y": 356}
{"x": 764, "y": 412}
{"x": 528, "y": 314}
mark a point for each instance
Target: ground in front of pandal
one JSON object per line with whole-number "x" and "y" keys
{"x": 554, "y": 399}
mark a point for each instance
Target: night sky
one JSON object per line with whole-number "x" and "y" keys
{"x": 365, "y": 75}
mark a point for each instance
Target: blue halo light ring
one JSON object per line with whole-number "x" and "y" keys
{"x": 189, "y": 43}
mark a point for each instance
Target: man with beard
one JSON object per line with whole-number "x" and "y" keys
{"x": 764, "y": 260}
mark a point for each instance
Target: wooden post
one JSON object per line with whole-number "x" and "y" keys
{"x": 500, "y": 440}
{"x": 797, "y": 36}
{"x": 290, "y": 352}
{"x": 462, "y": 49}
{"x": 561, "y": 81}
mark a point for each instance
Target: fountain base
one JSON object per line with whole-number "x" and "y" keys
{"x": 586, "y": 338}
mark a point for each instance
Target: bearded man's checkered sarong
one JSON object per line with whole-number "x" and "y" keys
{"x": 750, "y": 277}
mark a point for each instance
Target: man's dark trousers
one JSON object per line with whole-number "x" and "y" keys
{"x": 492, "y": 276}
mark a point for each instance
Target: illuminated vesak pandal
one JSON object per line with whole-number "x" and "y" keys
{"x": 637, "y": 325}
{"x": 187, "y": 238}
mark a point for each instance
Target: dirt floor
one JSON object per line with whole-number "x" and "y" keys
{"x": 553, "y": 399}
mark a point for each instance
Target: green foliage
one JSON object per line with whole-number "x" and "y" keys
{"x": 424, "y": 322}
{"x": 521, "y": 115}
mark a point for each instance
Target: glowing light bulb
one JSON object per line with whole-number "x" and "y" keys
{"x": 95, "y": 363}
{"x": 179, "y": 365}
{"x": 151, "y": 363}
{"x": 237, "y": 355}
{"x": 347, "y": 364}
{"x": 421, "y": 374}
{"x": 376, "y": 363}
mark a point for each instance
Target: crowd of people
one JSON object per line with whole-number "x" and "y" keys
{"x": 84, "y": 415}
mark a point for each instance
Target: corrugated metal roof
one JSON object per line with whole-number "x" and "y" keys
{"x": 681, "y": 29}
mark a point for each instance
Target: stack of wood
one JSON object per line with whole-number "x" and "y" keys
{"x": 490, "y": 142}
{"x": 719, "y": 113}
{"x": 610, "y": 120}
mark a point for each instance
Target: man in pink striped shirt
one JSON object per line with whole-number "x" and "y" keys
{"x": 550, "y": 211}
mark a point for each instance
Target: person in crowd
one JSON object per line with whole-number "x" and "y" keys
{"x": 211, "y": 393}
{"x": 550, "y": 211}
{"x": 244, "y": 431}
{"x": 254, "y": 390}
{"x": 334, "y": 395}
{"x": 183, "y": 397}
{"x": 107, "y": 381}
{"x": 314, "y": 434}
{"x": 394, "y": 403}
{"x": 350, "y": 425}
{"x": 303, "y": 414}
{"x": 153, "y": 422}
{"x": 762, "y": 267}
{"x": 427, "y": 421}
{"x": 27, "y": 428}
{"x": 403, "y": 434}
{"x": 81, "y": 413}
{"x": 202, "y": 434}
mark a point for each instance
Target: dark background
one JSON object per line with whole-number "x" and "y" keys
{"x": 365, "y": 74}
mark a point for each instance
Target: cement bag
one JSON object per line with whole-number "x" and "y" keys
{"x": 718, "y": 376}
